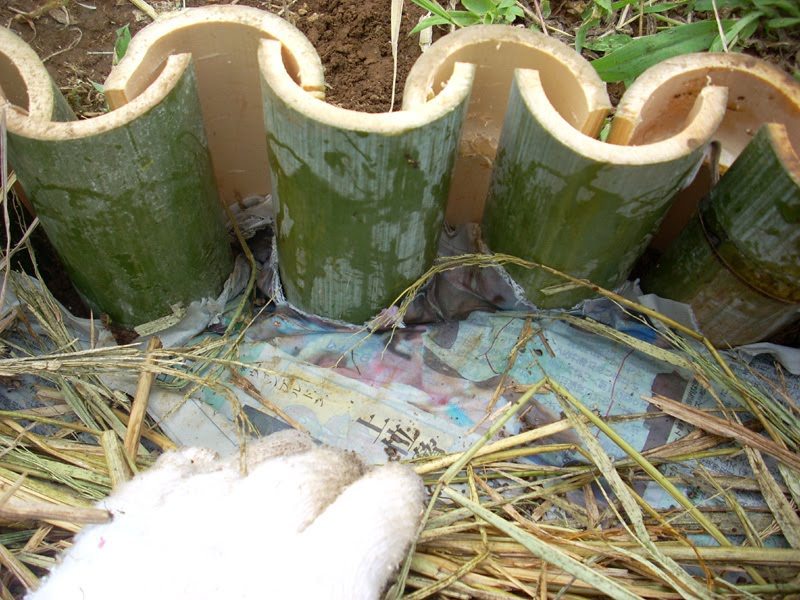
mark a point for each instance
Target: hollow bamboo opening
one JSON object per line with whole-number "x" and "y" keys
{"x": 570, "y": 85}
{"x": 223, "y": 42}
{"x": 660, "y": 99}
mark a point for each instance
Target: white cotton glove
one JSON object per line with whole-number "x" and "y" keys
{"x": 305, "y": 522}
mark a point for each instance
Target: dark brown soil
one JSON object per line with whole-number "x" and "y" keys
{"x": 353, "y": 40}
{"x": 351, "y": 36}
{"x": 76, "y": 44}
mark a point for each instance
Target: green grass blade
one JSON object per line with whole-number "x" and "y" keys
{"x": 435, "y": 9}
{"x": 634, "y": 58}
{"x": 782, "y": 22}
{"x": 708, "y": 5}
{"x": 478, "y": 7}
{"x": 739, "y": 30}
{"x": 429, "y": 22}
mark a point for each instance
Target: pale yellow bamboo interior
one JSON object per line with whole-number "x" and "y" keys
{"x": 570, "y": 83}
{"x": 12, "y": 85}
{"x": 223, "y": 42}
{"x": 660, "y": 99}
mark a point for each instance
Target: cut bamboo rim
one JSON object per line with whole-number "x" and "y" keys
{"x": 585, "y": 207}
{"x": 659, "y": 100}
{"x": 38, "y": 120}
{"x": 24, "y": 82}
{"x": 571, "y": 85}
{"x": 694, "y": 129}
{"x": 223, "y": 42}
{"x": 359, "y": 197}
{"x": 110, "y": 187}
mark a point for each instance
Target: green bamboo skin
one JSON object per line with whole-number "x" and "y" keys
{"x": 132, "y": 210}
{"x": 359, "y": 199}
{"x": 748, "y": 286}
{"x": 589, "y": 218}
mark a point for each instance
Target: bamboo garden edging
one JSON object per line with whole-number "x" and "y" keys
{"x": 118, "y": 193}
{"x": 738, "y": 262}
{"x": 556, "y": 195}
{"x": 226, "y": 102}
{"x": 659, "y": 99}
{"x": 359, "y": 198}
{"x": 570, "y": 82}
{"x": 223, "y": 42}
{"x": 580, "y": 205}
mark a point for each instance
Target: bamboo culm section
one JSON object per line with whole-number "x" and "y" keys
{"x": 359, "y": 202}
{"x": 585, "y": 214}
{"x": 738, "y": 263}
{"x": 151, "y": 196}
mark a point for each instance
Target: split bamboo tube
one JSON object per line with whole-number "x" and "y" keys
{"x": 737, "y": 263}
{"x": 658, "y": 101}
{"x": 360, "y": 197}
{"x": 585, "y": 207}
{"x": 118, "y": 193}
{"x": 570, "y": 84}
{"x": 555, "y": 194}
{"x": 223, "y": 42}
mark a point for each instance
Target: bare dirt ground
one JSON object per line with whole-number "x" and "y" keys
{"x": 76, "y": 41}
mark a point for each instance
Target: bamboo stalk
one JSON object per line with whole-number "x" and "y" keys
{"x": 346, "y": 250}
{"x": 759, "y": 93}
{"x": 737, "y": 263}
{"x": 497, "y": 50}
{"x": 224, "y": 42}
{"x": 149, "y": 157}
{"x": 594, "y": 205}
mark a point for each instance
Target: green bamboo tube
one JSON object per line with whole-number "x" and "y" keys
{"x": 128, "y": 198}
{"x": 656, "y": 105}
{"x": 223, "y": 41}
{"x": 359, "y": 197}
{"x": 570, "y": 82}
{"x": 737, "y": 264}
{"x": 585, "y": 207}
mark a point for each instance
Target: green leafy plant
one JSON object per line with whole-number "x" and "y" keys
{"x": 123, "y": 38}
{"x": 477, "y": 11}
{"x": 625, "y": 57}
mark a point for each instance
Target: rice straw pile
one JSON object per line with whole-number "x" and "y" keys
{"x": 498, "y": 525}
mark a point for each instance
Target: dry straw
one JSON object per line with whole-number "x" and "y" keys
{"x": 497, "y": 525}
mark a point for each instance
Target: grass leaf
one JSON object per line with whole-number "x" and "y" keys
{"x": 123, "y": 39}
{"x": 783, "y": 22}
{"x": 740, "y": 30}
{"x": 478, "y": 7}
{"x": 708, "y": 5}
{"x": 435, "y": 9}
{"x": 634, "y": 58}
{"x": 580, "y": 36}
{"x": 604, "y": 5}
{"x": 429, "y": 22}
{"x": 608, "y": 43}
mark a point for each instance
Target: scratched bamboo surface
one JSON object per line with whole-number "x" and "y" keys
{"x": 365, "y": 221}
